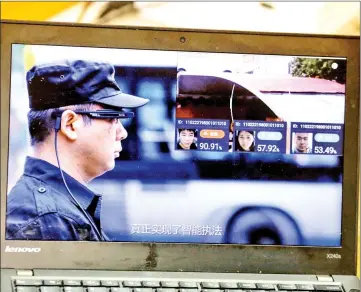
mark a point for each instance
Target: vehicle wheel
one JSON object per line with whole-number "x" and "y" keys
{"x": 262, "y": 225}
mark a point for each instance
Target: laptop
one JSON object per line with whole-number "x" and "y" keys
{"x": 163, "y": 160}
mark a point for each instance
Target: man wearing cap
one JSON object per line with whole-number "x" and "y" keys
{"x": 75, "y": 134}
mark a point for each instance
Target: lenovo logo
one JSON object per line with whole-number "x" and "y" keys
{"x": 22, "y": 249}
{"x": 334, "y": 256}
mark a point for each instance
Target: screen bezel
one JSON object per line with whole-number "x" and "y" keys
{"x": 190, "y": 257}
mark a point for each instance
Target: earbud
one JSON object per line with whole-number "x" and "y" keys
{"x": 57, "y": 124}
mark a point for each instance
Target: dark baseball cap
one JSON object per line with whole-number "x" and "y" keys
{"x": 77, "y": 82}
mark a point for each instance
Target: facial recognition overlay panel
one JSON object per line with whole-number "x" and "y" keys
{"x": 230, "y": 149}
{"x": 267, "y": 137}
{"x": 313, "y": 138}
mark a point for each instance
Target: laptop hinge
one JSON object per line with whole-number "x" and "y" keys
{"x": 27, "y": 273}
{"x": 324, "y": 278}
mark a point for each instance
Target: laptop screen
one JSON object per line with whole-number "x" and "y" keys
{"x": 230, "y": 149}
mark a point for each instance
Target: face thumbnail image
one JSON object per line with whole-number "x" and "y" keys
{"x": 245, "y": 141}
{"x": 187, "y": 139}
{"x": 302, "y": 143}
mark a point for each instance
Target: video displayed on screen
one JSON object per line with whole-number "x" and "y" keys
{"x": 130, "y": 145}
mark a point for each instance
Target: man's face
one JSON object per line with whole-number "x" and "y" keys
{"x": 186, "y": 138}
{"x": 301, "y": 141}
{"x": 99, "y": 144}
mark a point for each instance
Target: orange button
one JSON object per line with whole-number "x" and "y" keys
{"x": 212, "y": 134}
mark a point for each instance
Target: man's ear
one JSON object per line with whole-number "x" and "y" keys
{"x": 70, "y": 124}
